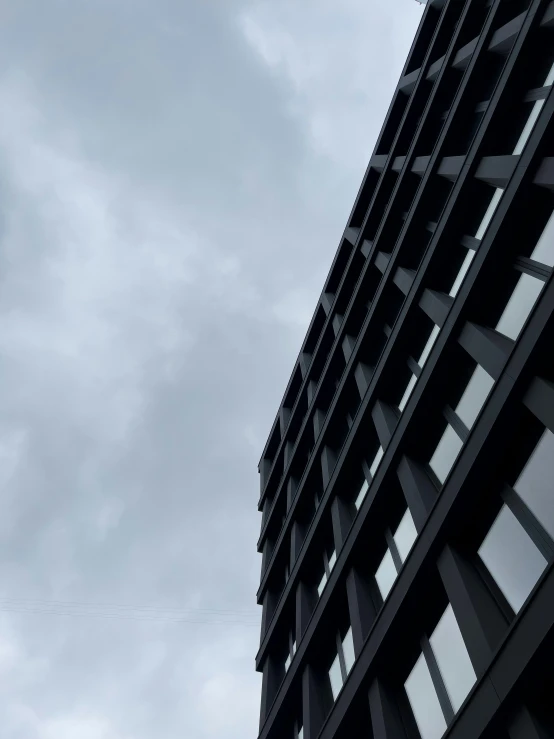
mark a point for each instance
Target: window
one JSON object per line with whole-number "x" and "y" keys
{"x": 473, "y": 398}
{"x": 407, "y": 392}
{"x": 328, "y": 564}
{"x": 528, "y": 287}
{"x": 291, "y": 650}
{"x": 533, "y": 115}
{"x": 399, "y": 545}
{"x": 511, "y": 558}
{"x": 421, "y": 362}
{"x": 405, "y": 535}
{"x": 342, "y": 664}
{"x": 487, "y": 218}
{"x": 519, "y": 544}
{"x": 386, "y": 575}
{"x": 446, "y": 454}
{"x": 361, "y": 495}
{"x": 443, "y": 668}
{"x": 475, "y": 394}
{"x": 424, "y": 701}
{"x": 535, "y": 485}
{"x": 300, "y": 733}
{"x": 376, "y": 461}
{"x": 428, "y": 346}
{"x": 452, "y": 658}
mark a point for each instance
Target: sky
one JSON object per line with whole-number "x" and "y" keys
{"x": 174, "y": 181}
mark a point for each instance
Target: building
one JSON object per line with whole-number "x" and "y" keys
{"x": 407, "y": 485}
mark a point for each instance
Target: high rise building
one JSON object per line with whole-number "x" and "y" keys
{"x": 407, "y": 485}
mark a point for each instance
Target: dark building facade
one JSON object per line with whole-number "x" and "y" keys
{"x": 407, "y": 485}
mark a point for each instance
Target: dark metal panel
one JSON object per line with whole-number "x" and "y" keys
{"x": 450, "y": 167}
{"x": 482, "y": 623}
{"x": 403, "y": 279}
{"x": 341, "y": 517}
{"x": 489, "y": 348}
{"x": 540, "y": 401}
{"x": 463, "y": 56}
{"x": 386, "y": 721}
{"x": 497, "y": 170}
{"x": 503, "y": 39}
{"x": 385, "y": 419}
{"x": 545, "y": 173}
{"x": 436, "y": 305}
{"x": 360, "y": 607}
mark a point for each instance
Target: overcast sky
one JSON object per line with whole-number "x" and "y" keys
{"x": 170, "y": 173}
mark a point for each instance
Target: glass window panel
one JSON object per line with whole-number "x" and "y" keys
{"x": 452, "y": 658}
{"x": 386, "y": 575}
{"x": 335, "y": 677}
{"x": 476, "y": 392}
{"x": 428, "y": 346}
{"x": 377, "y": 461}
{"x": 462, "y": 273}
{"x": 487, "y": 218}
{"x": 405, "y": 535}
{"x": 511, "y": 557}
{"x": 287, "y": 663}
{"x": 348, "y": 650}
{"x": 361, "y": 495}
{"x": 407, "y": 392}
{"x": 529, "y": 125}
{"x": 293, "y": 648}
{"x": 544, "y": 250}
{"x": 424, "y": 701}
{"x": 445, "y": 454}
{"x": 332, "y": 560}
{"x": 322, "y": 583}
{"x": 301, "y": 733}
{"x": 519, "y": 306}
{"x": 549, "y": 78}
{"x": 536, "y": 483}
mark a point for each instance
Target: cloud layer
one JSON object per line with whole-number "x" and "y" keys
{"x": 169, "y": 175}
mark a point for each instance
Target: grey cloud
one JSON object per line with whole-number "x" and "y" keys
{"x": 168, "y": 173}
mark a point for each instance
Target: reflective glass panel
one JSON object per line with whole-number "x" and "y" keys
{"x": 544, "y": 250}
{"x": 407, "y": 392}
{"x": 462, "y": 273}
{"x": 287, "y": 663}
{"x": 424, "y": 701}
{"x": 322, "y": 583}
{"x": 529, "y": 125}
{"x": 519, "y": 306}
{"x": 376, "y": 462}
{"x": 487, "y": 218}
{"x": 348, "y": 650}
{"x": 386, "y": 575}
{"x": 335, "y": 677}
{"x": 445, "y": 454}
{"x": 536, "y": 483}
{"x": 301, "y": 733}
{"x": 476, "y": 392}
{"x": 452, "y": 658}
{"x": 361, "y": 495}
{"x": 405, "y": 535}
{"x": 511, "y": 557}
{"x": 332, "y": 560}
{"x": 428, "y": 346}
{"x": 549, "y": 78}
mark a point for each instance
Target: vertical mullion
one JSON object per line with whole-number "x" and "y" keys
{"x": 342, "y": 661}
{"x": 529, "y": 522}
{"x": 438, "y": 682}
{"x": 396, "y": 558}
